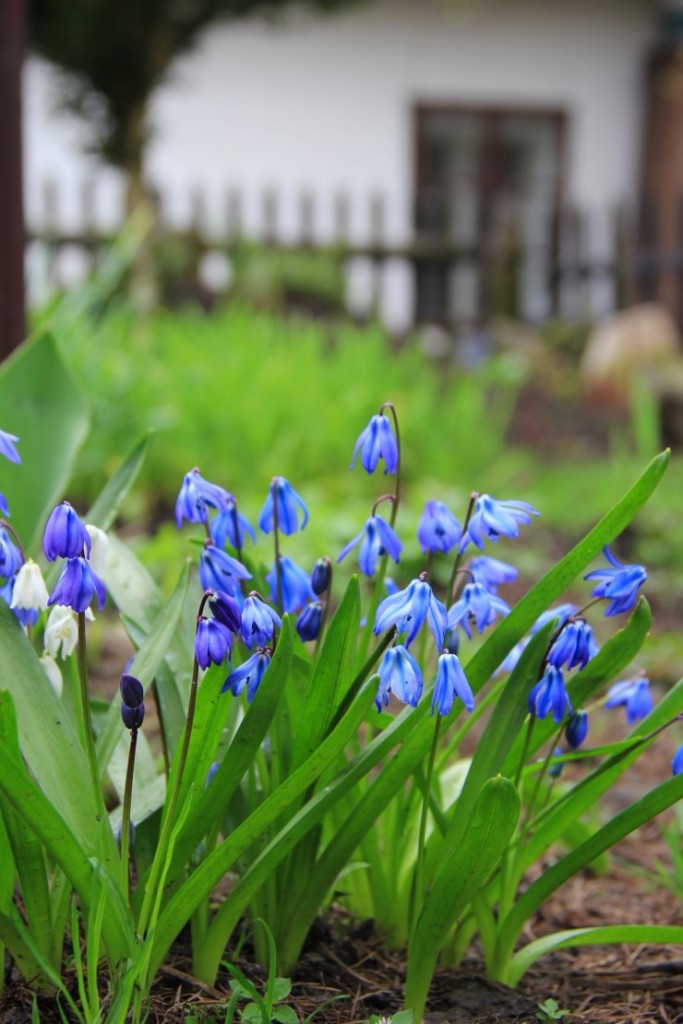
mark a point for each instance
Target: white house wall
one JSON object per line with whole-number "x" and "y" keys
{"x": 323, "y": 102}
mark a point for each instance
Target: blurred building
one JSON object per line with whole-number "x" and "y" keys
{"x": 471, "y": 126}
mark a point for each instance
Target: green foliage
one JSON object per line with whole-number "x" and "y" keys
{"x": 550, "y": 1010}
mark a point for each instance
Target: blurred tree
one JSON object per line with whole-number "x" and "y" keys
{"x": 117, "y": 52}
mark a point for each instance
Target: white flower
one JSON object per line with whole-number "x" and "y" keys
{"x": 99, "y": 550}
{"x": 53, "y": 674}
{"x": 30, "y": 592}
{"x": 61, "y": 630}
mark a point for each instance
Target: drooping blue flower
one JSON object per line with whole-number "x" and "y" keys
{"x": 321, "y": 577}
{"x": 289, "y": 506}
{"x": 399, "y": 674}
{"x": 259, "y": 622}
{"x": 212, "y": 642}
{"x": 408, "y": 609}
{"x": 77, "y": 586}
{"x": 577, "y": 729}
{"x": 549, "y": 694}
{"x": 226, "y": 609}
{"x": 451, "y": 682}
{"x": 4, "y": 507}
{"x": 378, "y": 538}
{"x": 377, "y": 442}
{"x": 65, "y": 534}
{"x": 196, "y": 496}
{"x": 575, "y": 645}
{"x": 634, "y": 695}
{"x": 492, "y": 519}
{"x": 491, "y": 572}
{"x": 8, "y": 446}
{"x": 677, "y": 762}
{"x": 296, "y": 585}
{"x": 476, "y": 605}
{"x": 309, "y": 622}
{"x": 249, "y": 674}
{"x": 438, "y": 529}
{"x": 10, "y": 555}
{"x": 558, "y": 615}
{"x": 220, "y": 571}
{"x": 620, "y": 584}
{"x": 222, "y": 526}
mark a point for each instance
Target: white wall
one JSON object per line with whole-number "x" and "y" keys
{"x": 324, "y": 101}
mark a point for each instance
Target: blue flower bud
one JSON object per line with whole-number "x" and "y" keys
{"x": 131, "y": 690}
{"x": 65, "y": 535}
{"x": 555, "y": 770}
{"x": 211, "y": 774}
{"x": 259, "y": 622}
{"x": 226, "y": 609}
{"x": 309, "y": 622}
{"x": 577, "y": 729}
{"x": 677, "y": 762}
{"x": 321, "y": 576}
{"x": 132, "y": 717}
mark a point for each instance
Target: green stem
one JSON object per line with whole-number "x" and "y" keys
{"x": 276, "y": 539}
{"x": 167, "y": 827}
{"x": 419, "y": 881}
{"x": 450, "y": 593}
{"x": 125, "y": 815}
{"x": 85, "y": 720}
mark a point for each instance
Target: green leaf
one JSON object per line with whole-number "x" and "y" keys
{"x": 636, "y": 934}
{"x": 104, "y": 511}
{"x": 285, "y": 1014}
{"x": 26, "y": 850}
{"x": 332, "y": 675}
{"x": 40, "y": 815}
{"x": 464, "y": 870}
{"x": 41, "y": 404}
{"x": 47, "y": 738}
{"x": 145, "y": 665}
{"x": 657, "y": 800}
{"x": 281, "y": 989}
{"x": 29, "y": 958}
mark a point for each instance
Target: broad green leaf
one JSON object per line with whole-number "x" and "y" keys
{"x": 41, "y": 404}
{"x": 26, "y": 850}
{"x": 141, "y": 604}
{"x": 464, "y": 870}
{"x": 30, "y": 959}
{"x": 52, "y": 830}
{"x": 47, "y": 738}
{"x": 146, "y": 664}
{"x": 636, "y": 934}
{"x": 332, "y": 675}
{"x": 587, "y": 791}
{"x": 657, "y": 800}
{"x": 103, "y": 512}
{"x": 211, "y": 804}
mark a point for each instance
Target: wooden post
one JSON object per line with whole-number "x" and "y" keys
{"x": 12, "y": 238}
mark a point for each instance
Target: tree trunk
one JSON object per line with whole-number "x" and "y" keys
{"x": 12, "y": 317}
{"x": 144, "y": 284}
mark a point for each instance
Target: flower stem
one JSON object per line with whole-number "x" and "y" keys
{"x": 397, "y": 489}
{"x": 278, "y": 567}
{"x": 125, "y": 815}
{"x": 450, "y": 593}
{"x": 418, "y": 891}
{"x": 85, "y": 720}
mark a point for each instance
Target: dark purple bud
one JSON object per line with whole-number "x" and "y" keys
{"x": 321, "y": 576}
{"x": 309, "y": 622}
{"x": 226, "y": 609}
{"x": 213, "y": 642}
{"x": 132, "y": 690}
{"x": 577, "y": 729}
{"x": 132, "y": 717}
